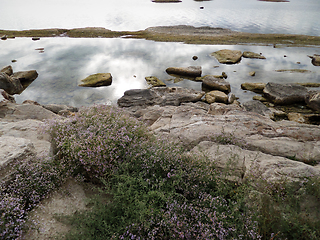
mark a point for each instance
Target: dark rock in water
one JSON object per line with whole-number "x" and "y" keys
{"x": 4, "y": 37}
{"x": 35, "y": 38}
{"x": 212, "y": 83}
{"x": 194, "y": 57}
{"x": 192, "y": 71}
{"x": 10, "y": 85}
{"x": 158, "y": 96}
{"x": 284, "y": 94}
{"x": 166, "y": 1}
{"x": 315, "y": 59}
{"x": 25, "y": 77}
{"x": 248, "y": 54}
{"x": 155, "y": 82}
{"x": 313, "y": 100}
{"x": 8, "y": 70}
{"x": 97, "y": 80}
{"x": 228, "y": 56}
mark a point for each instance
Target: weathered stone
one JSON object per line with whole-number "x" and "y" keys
{"x": 25, "y": 77}
{"x": 159, "y": 96}
{"x": 254, "y": 87}
{"x": 192, "y": 71}
{"x": 4, "y": 96}
{"x": 97, "y": 80}
{"x": 259, "y": 98}
{"x": 315, "y": 59}
{"x": 8, "y": 70}
{"x": 284, "y": 94}
{"x": 257, "y": 107}
{"x": 228, "y": 56}
{"x": 212, "y": 83}
{"x": 248, "y": 54}
{"x": 296, "y": 117}
{"x": 313, "y": 100}
{"x": 10, "y": 85}
{"x": 222, "y": 109}
{"x": 216, "y": 96}
{"x": 155, "y": 82}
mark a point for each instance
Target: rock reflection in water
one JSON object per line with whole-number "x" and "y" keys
{"x": 66, "y": 61}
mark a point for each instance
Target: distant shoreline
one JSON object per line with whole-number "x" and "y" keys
{"x": 180, "y": 33}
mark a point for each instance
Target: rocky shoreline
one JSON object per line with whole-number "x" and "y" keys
{"x": 180, "y": 33}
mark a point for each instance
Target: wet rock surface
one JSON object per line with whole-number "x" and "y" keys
{"x": 97, "y": 80}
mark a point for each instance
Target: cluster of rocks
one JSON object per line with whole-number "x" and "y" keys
{"x": 16, "y": 83}
{"x": 256, "y": 142}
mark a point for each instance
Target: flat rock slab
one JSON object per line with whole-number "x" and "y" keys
{"x": 228, "y": 56}
{"x": 284, "y": 94}
{"x": 97, "y": 80}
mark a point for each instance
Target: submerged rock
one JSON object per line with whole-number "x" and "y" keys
{"x": 192, "y": 71}
{"x": 227, "y": 56}
{"x": 97, "y": 80}
{"x": 155, "y": 82}
{"x": 285, "y": 94}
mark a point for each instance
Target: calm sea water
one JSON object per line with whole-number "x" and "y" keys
{"x": 66, "y": 61}
{"x": 296, "y": 16}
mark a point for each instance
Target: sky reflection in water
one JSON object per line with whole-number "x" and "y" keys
{"x": 294, "y": 17}
{"x": 66, "y": 61}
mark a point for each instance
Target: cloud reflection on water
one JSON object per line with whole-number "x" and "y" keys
{"x": 66, "y": 61}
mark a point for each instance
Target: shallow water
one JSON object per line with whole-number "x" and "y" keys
{"x": 294, "y": 17}
{"x": 65, "y": 61}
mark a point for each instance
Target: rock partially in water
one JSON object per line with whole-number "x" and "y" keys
{"x": 210, "y": 82}
{"x": 313, "y": 100}
{"x": 248, "y": 54}
{"x": 7, "y": 69}
{"x": 253, "y": 87}
{"x": 296, "y": 117}
{"x": 192, "y": 71}
{"x": 315, "y": 59}
{"x": 257, "y": 107}
{"x": 10, "y": 85}
{"x": 166, "y": 1}
{"x": 97, "y": 80}
{"x": 285, "y": 94}
{"x": 159, "y": 96}
{"x": 227, "y": 56}
{"x": 155, "y": 82}
{"x": 25, "y": 77}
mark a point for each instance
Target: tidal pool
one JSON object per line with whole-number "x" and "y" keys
{"x": 65, "y": 61}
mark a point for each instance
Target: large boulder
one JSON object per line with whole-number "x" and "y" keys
{"x": 10, "y": 85}
{"x": 192, "y": 71}
{"x": 97, "y": 80}
{"x": 212, "y": 83}
{"x": 158, "y": 96}
{"x": 313, "y": 100}
{"x": 285, "y": 94}
{"x": 228, "y": 56}
{"x": 25, "y": 77}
